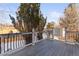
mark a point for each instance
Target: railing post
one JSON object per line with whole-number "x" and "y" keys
{"x": 65, "y": 34}
{"x": 33, "y": 37}
{"x": 48, "y": 34}
{"x": 52, "y": 34}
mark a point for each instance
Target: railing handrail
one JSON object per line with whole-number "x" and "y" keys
{"x": 20, "y": 33}
{"x": 72, "y": 31}
{"x": 16, "y": 33}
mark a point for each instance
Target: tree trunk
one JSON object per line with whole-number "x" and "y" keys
{"x": 40, "y": 36}
{"x": 28, "y": 37}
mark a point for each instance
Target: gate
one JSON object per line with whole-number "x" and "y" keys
{"x": 63, "y": 35}
{"x": 72, "y": 36}
{"x": 55, "y": 33}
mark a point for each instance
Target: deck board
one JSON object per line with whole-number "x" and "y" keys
{"x": 49, "y": 48}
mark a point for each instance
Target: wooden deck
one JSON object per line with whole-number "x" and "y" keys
{"x": 49, "y": 48}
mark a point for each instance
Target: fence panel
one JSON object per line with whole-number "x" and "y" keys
{"x": 72, "y": 36}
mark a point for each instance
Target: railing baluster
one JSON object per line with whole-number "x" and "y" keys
{"x": 13, "y": 40}
{"x": 70, "y": 36}
{"x": 76, "y": 36}
{"x": 10, "y": 42}
{"x": 7, "y": 42}
{"x": 23, "y": 41}
{"x": 17, "y": 41}
{"x": 4, "y": 44}
{"x": 0, "y": 45}
{"x": 20, "y": 40}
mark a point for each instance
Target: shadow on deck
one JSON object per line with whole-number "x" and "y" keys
{"x": 49, "y": 48}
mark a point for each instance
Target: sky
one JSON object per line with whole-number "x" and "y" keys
{"x": 50, "y": 10}
{"x": 53, "y": 11}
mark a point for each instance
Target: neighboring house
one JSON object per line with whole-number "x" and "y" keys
{"x": 58, "y": 32}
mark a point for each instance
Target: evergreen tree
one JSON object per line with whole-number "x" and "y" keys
{"x": 28, "y": 17}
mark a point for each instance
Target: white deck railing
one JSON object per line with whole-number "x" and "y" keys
{"x": 13, "y": 41}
